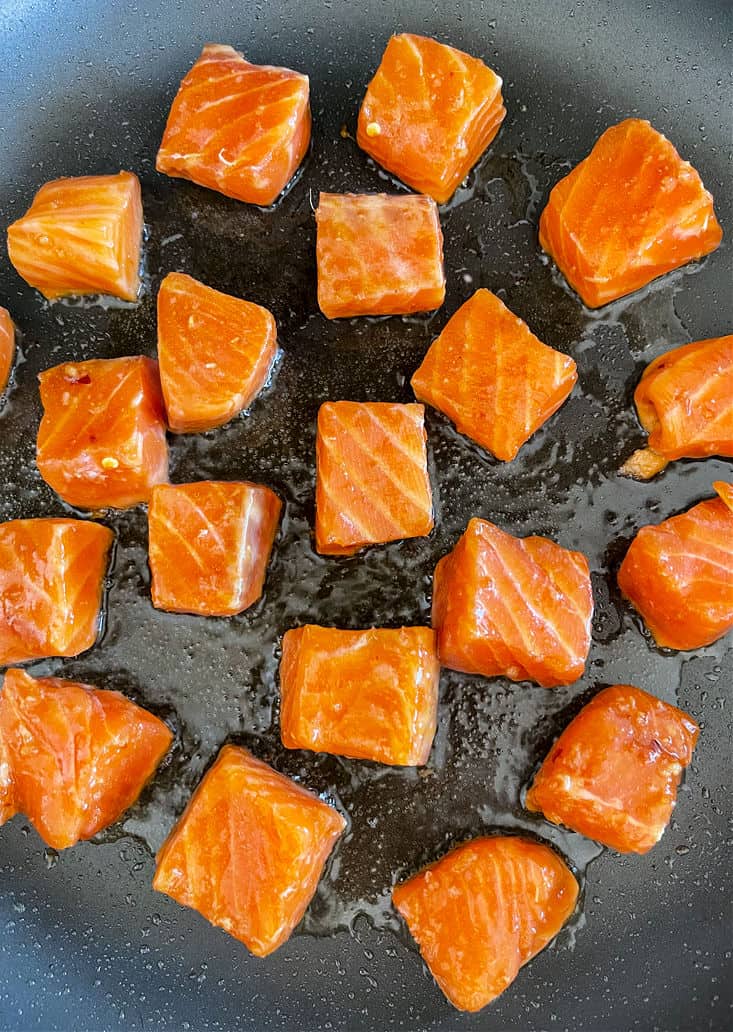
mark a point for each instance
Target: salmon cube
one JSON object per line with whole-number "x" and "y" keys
{"x": 725, "y": 491}
{"x": 484, "y": 910}
{"x": 249, "y": 850}
{"x": 51, "y": 579}
{"x": 679, "y": 576}
{"x": 210, "y": 544}
{"x": 371, "y": 695}
{"x": 492, "y": 377}
{"x": 215, "y": 353}
{"x": 101, "y": 442}
{"x": 630, "y": 212}
{"x": 236, "y": 127}
{"x": 81, "y": 236}
{"x": 429, "y": 113}
{"x": 613, "y": 773}
{"x": 378, "y": 255}
{"x": 7, "y": 347}
{"x": 372, "y": 483}
{"x": 78, "y": 756}
{"x": 513, "y": 607}
{"x": 685, "y": 404}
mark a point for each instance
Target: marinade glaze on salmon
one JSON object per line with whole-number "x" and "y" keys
{"x": 81, "y": 236}
{"x": 685, "y": 403}
{"x": 77, "y": 756}
{"x": 492, "y": 377}
{"x": 371, "y": 695}
{"x": 513, "y": 607}
{"x": 249, "y": 850}
{"x": 210, "y": 543}
{"x": 429, "y": 113}
{"x": 215, "y": 353}
{"x": 378, "y": 255}
{"x": 484, "y": 910}
{"x": 679, "y": 575}
{"x": 613, "y": 773}
{"x": 631, "y": 211}
{"x": 101, "y": 442}
{"x": 51, "y": 581}
{"x": 372, "y": 483}
{"x": 236, "y": 127}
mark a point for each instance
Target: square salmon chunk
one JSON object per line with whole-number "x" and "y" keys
{"x": 81, "y": 236}
{"x": 513, "y": 607}
{"x": 372, "y": 483}
{"x": 429, "y": 113}
{"x": 215, "y": 353}
{"x": 77, "y": 756}
{"x": 236, "y": 127}
{"x": 492, "y": 377}
{"x": 484, "y": 910}
{"x": 613, "y": 773}
{"x": 629, "y": 212}
{"x": 249, "y": 850}
{"x": 378, "y": 255}
{"x": 101, "y": 442}
{"x": 51, "y": 581}
{"x": 371, "y": 695}
{"x": 210, "y": 544}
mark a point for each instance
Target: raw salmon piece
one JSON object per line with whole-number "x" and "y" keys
{"x": 484, "y": 910}
{"x": 7, "y": 347}
{"x": 101, "y": 442}
{"x": 81, "y": 236}
{"x": 429, "y": 113}
{"x": 372, "y": 483}
{"x": 51, "y": 578}
{"x": 79, "y": 756}
{"x": 631, "y": 211}
{"x": 489, "y": 374}
{"x": 685, "y": 404}
{"x": 513, "y": 607}
{"x": 613, "y": 773}
{"x": 679, "y": 576}
{"x": 378, "y": 255}
{"x": 8, "y": 806}
{"x": 249, "y": 850}
{"x": 238, "y": 128}
{"x": 725, "y": 491}
{"x": 210, "y": 544}
{"x": 215, "y": 353}
{"x": 371, "y": 695}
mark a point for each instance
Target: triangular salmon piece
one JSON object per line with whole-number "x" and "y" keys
{"x": 78, "y": 756}
{"x": 215, "y": 353}
{"x": 484, "y": 910}
{"x": 492, "y": 377}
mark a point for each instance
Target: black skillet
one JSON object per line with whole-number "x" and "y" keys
{"x": 84, "y": 942}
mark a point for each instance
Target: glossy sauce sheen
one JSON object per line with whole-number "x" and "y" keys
{"x": 613, "y": 773}
{"x": 371, "y": 695}
{"x": 218, "y": 679}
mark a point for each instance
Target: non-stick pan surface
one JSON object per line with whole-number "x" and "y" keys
{"x": 84, "y": 941}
